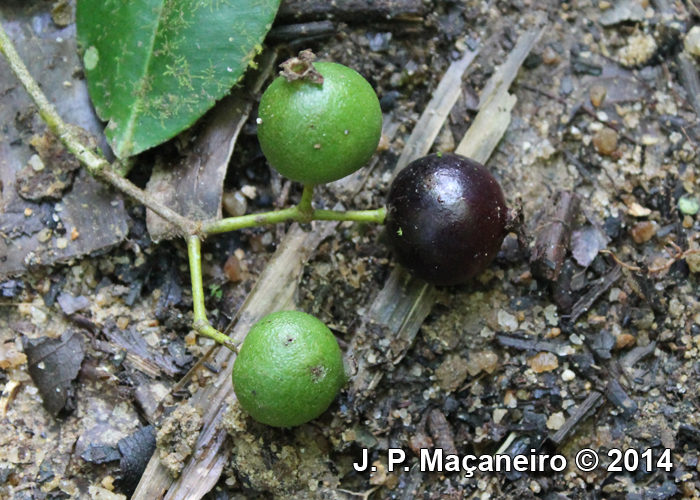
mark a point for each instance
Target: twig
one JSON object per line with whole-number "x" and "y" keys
{"x": 553, "y": 239}
{"x": 592, "y": 295}
{"x": 591, "y": 402}
{"x": 98, "y": 167}
{"x": 101, "y": 169}
{"x": 543, "y": 92}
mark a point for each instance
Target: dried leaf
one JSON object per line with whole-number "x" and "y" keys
{"x": 136, "y": 451}
{"x": 53, "y": 365}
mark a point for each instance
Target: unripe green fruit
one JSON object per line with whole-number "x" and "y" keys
{"x": 316, "y": 133}
{"x": 289, "y": 369}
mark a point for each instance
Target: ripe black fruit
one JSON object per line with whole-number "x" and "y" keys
{"x": 446, "y": 218}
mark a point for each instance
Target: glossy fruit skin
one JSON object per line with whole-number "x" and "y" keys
{"x": 446, "y": 218}
{"x": 289, "y": 369}
{"x": 313, "y": 133}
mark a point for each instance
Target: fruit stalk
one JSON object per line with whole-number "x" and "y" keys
{"x": 201, "y": 323}
{"x": 303, "y": 213}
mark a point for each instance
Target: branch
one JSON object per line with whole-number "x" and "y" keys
{"x": 98, "y": 167}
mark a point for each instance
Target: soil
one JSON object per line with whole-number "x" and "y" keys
{"x": 583, "y": 353}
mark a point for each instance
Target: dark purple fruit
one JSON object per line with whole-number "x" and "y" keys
{"x": 446, "y": 218}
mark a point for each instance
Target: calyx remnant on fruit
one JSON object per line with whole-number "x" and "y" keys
{"x": 313, "y": 133}
{"x": 300, "y": 68}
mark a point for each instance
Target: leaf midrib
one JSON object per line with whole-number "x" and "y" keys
{"x": 129, "y": 130}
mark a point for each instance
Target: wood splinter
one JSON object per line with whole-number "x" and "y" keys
{"x": 554, "y": 236}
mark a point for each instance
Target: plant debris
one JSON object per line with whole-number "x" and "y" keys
{"x": 136, "y": 450}
{"x": 53, "y": 365}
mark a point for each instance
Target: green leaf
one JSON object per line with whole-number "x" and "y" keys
{"x": 154, "y": 66}
{"x": 216, "y": 291}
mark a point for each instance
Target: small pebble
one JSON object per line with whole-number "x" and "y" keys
{"x": 688, "y": 222}
{"x": 36, "y": 163}
{"x": 688, "y": 489}
{"x": 191, "y": 338}
{"x": 636, "y": 210}
{"x": 107, "y": 483}
{"x": 507, "y": 321}
{"x": 568, "y": 375}
{"x": 234, "y": 203}
{"x": 61, "y": 243}
{"x": 692, "y": 41}
{"x": 378, "y": 476}
{"x": 122, "y": 322}
{"x": 543, "y": 362}
{"x": 556, "y": 421}
{"x": 232, "y": 269}
{"x": 625, "y": 340}
{"x": 638, "y": 51}
{"x": 643, "y": 231}
{"x": 249, "y": 192}
{"x": 44, "y": 235}
{"x": 446, "y": 141}
{"x": 553, "y": 332}
{"x": 498, "y": 415}
{"x": 605, "y": 141}
{"x": 688, "y": 206}
{"x": 10, "y": 356}
{"x": 550, "y": 56}
{"x": 482, "y": 361}
{"x": 693, "y": 261}
{"x": 597, "y": 95}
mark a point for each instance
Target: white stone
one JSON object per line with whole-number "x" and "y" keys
{"x": 692, "y": 41}
{"x": 556, "y": 421}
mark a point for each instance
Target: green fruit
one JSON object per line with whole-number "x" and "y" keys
{"x": 289, "y": 369}
{"x": 316, "y": 133}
